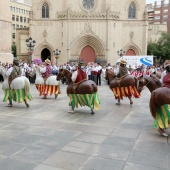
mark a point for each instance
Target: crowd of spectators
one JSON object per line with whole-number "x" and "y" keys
{"x": 94, "y": 71}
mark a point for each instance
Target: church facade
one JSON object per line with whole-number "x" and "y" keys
{"x": 87, "y": 30}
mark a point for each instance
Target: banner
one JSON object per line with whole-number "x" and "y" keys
{"x": 138, "y": 60}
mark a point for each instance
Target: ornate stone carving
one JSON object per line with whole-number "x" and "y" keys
{"x": 84, "y": 15}
{"x": 131, "y": 35}
{"x": 45, "y": 33}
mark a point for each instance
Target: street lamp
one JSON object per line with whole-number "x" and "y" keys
{"x": 30, "y": 44}
{"x": 57, "y": 52}
{"x": 121, "y": 53}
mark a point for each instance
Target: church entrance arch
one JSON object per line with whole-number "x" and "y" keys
{"x": 45, "y": 53}
{"x": 87, "y": 54}
{"x": 130, "y": 52}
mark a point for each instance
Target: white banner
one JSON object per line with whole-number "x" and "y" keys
{"x": 138, "y": 60}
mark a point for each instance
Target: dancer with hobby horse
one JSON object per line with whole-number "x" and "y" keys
{"x": 16, "y": 87}
{"x": 80, "y": 90}
{"x": 160, "y": 103}
{"x": 122, "y": 85}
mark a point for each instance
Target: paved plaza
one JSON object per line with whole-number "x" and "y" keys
{"x": 46, "y": 137}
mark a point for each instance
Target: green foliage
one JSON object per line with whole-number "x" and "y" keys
{"x": 14, "y": 50}
{"x": 161, "y": 48}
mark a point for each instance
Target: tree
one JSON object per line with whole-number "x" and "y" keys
{"x": 14, "y": 50}
{"x": 160, "y": 48}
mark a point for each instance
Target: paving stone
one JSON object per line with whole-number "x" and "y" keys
{"x": 152, "y": 146}
{"x": 91, "y": 138}
{"x": 125, "y": 133}
{"x": 149, "y": 158}
{"x": 66, "y": 160}
{"x": 26, "y": 138}
{"x": 7, "y": 135}
{"x": 45, "y": 167}
{"x": 11, "y": 164}
{"x": 100, "y": 130}
{"x": 4, "y": 124}
{"x": 120, "y": 137}
{"x": 76, "y": 127}
{"x": 130, "y": 166}
{"x": 54, "y": 124}
{"x": 94, "y": 163}
{"x": 9, "y": 148}
{"x": 57, "y": 140}
{"x": 79, "y": 147}
{"x": 152, "y": 135}
{"x": 33, "y": 154}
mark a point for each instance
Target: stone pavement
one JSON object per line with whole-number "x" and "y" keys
{"x": 46, "y": 137}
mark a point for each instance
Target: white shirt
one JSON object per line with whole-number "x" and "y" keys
{"x": 43, "y": 69}
{"x": 74, "y": 76}
{"x": 9, "y": 71}
{"x": 162, "y": 75}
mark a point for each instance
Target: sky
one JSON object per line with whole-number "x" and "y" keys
{"x": 150, "y": 1}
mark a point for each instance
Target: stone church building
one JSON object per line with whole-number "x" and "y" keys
{"x": 5, "y": 32}
{"x": 87, "y": 30}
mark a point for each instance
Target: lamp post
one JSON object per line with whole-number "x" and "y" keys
{"x": 57, "y": 52}
{"x": 30, "y": 44}
{"x": 121, "y": 53}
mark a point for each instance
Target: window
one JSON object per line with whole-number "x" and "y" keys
{"x": 88, "y": 5}
{"x": 157, "y": 12}
{"x": 21, "y": 19}
{"x": 21, "y": 26}
{"x": 13, "y": 17}
{"x": 132, "y": 11}
{"x": 13, "y": 26}
{"x": 45, "y": 11}
{"x": 17, "y": 18}
{"x": 25, "y": 19}
{"x": 17, "y": 26}
{"x": 165, "y": 10}
{"x": 165, "y": 16}
{"x": 13, "y": 35}
{"x": 157, "y": 17}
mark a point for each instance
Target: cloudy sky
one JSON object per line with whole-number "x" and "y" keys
{"x": 150, "y": 1}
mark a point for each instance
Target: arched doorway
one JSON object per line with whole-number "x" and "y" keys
{"x": 130, "y": 52}
{"x": 45, "y": 53}
{"x": 87, "y": 54}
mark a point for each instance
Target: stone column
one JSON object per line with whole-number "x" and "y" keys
{"x": 5, "y": 32}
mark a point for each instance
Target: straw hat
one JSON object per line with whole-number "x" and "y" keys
{"x": 47, "y": 61}
{"x": 81, "y": 63}
{"x": 167, "y": 63}
{"x": 122, "y": 61}
{"x": 16, "y": 62}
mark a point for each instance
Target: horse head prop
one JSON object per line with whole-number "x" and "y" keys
{"x": 150, "y": 82}
{"x": 83, "y": 93}
{"x": 122, "y": 87}
{"x": 159, "y": 101}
